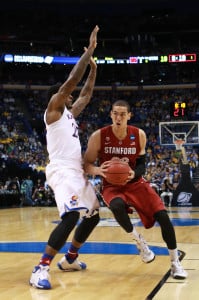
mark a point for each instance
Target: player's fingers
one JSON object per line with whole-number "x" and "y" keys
{"x": 106, "y": 163}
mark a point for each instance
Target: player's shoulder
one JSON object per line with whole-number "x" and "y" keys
{"x": 136, "y": 130}
{"x": 96, "y": 133}
{"x": 100, "y": 132}
{"x": 133, "y": 128}
{"x": 105, "y": 129}
{"x": 142, "y": 132}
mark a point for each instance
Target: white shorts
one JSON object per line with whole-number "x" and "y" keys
{"x": 72, "y": 190}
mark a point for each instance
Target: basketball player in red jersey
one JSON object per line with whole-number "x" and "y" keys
{"x": 128, "y": 143}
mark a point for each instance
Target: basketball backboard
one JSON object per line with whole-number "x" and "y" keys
{"x": 188, "y": 131}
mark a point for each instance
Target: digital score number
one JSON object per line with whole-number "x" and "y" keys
{"x": 178, "y": 109}
{"x": 173, "y": 58}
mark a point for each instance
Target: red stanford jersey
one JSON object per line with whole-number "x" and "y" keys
{"x": 137, "y": 194}
{"x": 128, "y": 149}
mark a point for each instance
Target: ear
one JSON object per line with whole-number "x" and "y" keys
{"x": 129, "y": 116}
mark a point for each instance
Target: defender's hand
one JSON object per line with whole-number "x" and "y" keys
{"x": 93, "y": 37}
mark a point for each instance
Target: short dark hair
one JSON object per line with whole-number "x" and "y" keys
{"x": 53, "y": 90}
{"x": 122, "y": 103}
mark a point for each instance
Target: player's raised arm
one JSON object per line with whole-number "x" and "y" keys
{"x": 57, "y": 101}
{"x": 87, "y": 90}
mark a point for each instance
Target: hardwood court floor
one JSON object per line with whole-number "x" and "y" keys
{"x": 114, "y": 269}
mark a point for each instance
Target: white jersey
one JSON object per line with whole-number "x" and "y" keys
{"x": 64, "y": 173}
{"x": 63, "y": 144}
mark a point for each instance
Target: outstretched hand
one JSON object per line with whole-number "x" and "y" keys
{"x": 93, "y": 37}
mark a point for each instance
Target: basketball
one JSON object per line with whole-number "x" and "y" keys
{"x": 117, "y": 173}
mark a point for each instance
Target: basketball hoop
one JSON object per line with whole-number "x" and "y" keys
{"x": 179, "y": 143}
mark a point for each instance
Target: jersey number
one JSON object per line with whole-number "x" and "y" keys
{"x": 75, "y": 133}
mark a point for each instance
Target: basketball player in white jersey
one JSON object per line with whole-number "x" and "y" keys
{"x": 74, "y": 195}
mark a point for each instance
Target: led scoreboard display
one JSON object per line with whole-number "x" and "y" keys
{"x": 140, "y": 59}
{"x": 173, "y": 58}
{"x": 178, "y": 109}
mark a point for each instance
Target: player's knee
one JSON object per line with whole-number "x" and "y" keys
{"x": 94, "y": 219}
{"x": 85, "y": 228}
{"x": 117, "y": 205}
{"x": 70, "y": 218}
{"x": 61, "y": 232}
{"x": 167, "y": 228}
{"x": 162, "y": 217}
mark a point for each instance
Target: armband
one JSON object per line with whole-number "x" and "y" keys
{"x": 140, "y": 166}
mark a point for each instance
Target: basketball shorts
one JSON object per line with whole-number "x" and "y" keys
{"x": 72, "y": 191}
{"x": 139, "y": 195}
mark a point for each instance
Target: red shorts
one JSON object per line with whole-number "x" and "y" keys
{"x": 140, "y": 195}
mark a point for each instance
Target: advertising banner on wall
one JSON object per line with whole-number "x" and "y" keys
{"x": 185, "y": 194}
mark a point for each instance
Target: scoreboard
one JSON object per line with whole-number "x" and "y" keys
{"x": 178, "y": 109}
{"x": 109, "y": 60}
{"x": 182, "y": 57}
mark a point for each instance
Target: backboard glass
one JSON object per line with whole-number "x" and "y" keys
{"x": 188, "y": 131}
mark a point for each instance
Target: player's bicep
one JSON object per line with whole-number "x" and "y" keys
{"x": 142, "y": 139}
{"x": 57, "y": 102}
{"x": 93, "y": 148}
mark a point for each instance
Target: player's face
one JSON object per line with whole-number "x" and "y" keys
{"x": 120, "y": 115}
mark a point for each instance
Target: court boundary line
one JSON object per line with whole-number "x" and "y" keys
{"x": 163, "y": 280}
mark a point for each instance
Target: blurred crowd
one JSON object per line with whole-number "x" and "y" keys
{"x": 23, "y": 155}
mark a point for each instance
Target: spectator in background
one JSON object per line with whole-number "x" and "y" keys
{"x": 26, "y": 192}
{"x": 166, "y": 191}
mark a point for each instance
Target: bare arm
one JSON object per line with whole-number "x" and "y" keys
{"x": 142, "y": 137}
{"x": 87, "y": 90}
{"x": 57, "y": 102}
{"x": 91, "y": 155}
{"x": 142, "y": 140}
{"x": 79, "y": 69}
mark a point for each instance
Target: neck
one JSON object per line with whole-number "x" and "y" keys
{"x": 120, "y": 133}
